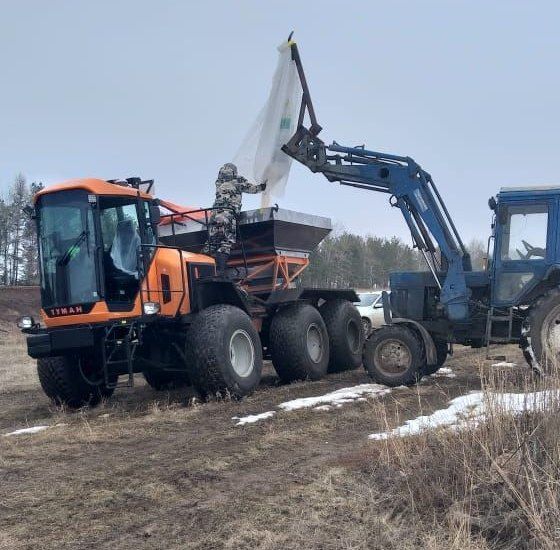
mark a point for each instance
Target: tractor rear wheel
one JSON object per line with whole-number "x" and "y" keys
{"x": 346, "y": 337}
{"x": 223, "y": 352}
{"x": 394, "y": 356}
{"x": 299, "y": 343}
{"x": 541, "y": 342}
{"x": 72, "y": 381}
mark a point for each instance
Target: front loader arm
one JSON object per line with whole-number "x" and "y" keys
{"x": 411, "y": 188}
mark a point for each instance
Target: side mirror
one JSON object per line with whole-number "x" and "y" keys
{"x": 492, "y": 204}
{"x": 155, "y": 214}
{"x": 29, "y": 211}
{"x": 378, "y": 305}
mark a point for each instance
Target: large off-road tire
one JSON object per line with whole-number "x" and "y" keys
{"x": 64, "y": 382}
{"x": 162, "y": 381}
{"x": 223, "y": 352}
{"x": 394, "y": 356}
{"x": 442, "y": 348}
{"x": 541, "y": 341}
{"x": 366, "y": 327}
{"x": 299, "y": 343}
{"x": 346, "y": 338}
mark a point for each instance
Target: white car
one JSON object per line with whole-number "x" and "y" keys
{"x": 370, "y": 307}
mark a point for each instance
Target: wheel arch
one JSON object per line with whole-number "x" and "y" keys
{"x": 213, "y": 292}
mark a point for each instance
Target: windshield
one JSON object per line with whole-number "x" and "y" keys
{"x": 66, "y": 249}
{"x": 367, "y": 299}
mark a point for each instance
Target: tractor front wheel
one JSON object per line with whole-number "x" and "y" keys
{"x": 442, "y": 350}
{"x": 394, "y": 356}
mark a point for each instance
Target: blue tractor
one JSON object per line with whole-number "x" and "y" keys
{"x": 515, "y": 300}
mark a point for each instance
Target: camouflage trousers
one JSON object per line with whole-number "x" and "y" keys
{"x": 222, "y": 232}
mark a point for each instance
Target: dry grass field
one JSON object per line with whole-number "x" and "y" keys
{"x": 161, "y": 470}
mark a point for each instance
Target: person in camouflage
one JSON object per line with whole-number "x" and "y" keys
{"x": 222, "y": 227}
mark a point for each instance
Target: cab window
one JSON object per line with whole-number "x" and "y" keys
{"x": 524, "y": 232}
{"x": 121, "y": 246}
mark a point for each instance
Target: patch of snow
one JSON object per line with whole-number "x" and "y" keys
{"x": 326, "y": 402}
{"x": 336, "y": 398}
{"x": 504, "y": 364}
{"x": 251, "y": 418}
{"x": 32, "y": 430}
{"x": 470, "y": 410}
{"x": 445, "y": 372}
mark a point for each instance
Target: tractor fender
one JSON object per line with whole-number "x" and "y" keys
{"x": 429, "y": 346}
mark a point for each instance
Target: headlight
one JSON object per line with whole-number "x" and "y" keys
{"x": 26, "y": 322}
{"x": 151, "y": 308}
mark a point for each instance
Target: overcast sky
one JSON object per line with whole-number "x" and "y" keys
{"x": 167, "y": 89}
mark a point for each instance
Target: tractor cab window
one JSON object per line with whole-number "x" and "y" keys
{"x": 120, "y": 236}
{"x": 524, "y": 232}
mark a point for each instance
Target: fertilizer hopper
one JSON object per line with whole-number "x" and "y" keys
{"x": 273, "y": 244}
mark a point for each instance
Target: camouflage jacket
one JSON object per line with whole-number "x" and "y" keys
{"x": 228, "y": 193}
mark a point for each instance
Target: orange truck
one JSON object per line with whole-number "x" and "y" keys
{"x": 126, "y": 289}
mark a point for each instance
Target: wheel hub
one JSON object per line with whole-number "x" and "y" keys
{"x": 242, "y": 353}
{"x": 393, "y": 357}
{"x": 314, "y": 343}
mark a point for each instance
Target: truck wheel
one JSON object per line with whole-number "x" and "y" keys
{"x": 223, "y": 352}
{"x": 542, "y": 340}
{"x": 299, "y": 343}
{"x": 441, "y": 351}
{"x": 64, "y": 382}
{"x": 346, "y": 337}
{"x": 394, "y": 356}
{"x": 366, "y": 326}
{"x": 161, "y": 380}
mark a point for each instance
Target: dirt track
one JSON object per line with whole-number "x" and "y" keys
{"x": 155, "y": 470}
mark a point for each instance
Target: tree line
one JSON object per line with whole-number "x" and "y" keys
{"x": 348, "y": 260}
{"x": 18, "y": 236}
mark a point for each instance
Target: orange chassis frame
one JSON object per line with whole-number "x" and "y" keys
{"x": 285, "y": 269}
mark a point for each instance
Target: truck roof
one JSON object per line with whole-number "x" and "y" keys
{"x": 93, "y": 185}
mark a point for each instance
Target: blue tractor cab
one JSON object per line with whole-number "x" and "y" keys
{"x": 526, "y": 254}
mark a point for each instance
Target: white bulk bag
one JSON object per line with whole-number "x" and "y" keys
{"x": 260, "y": 157}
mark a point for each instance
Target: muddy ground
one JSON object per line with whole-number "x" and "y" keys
{"x": 161, "y": 470}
